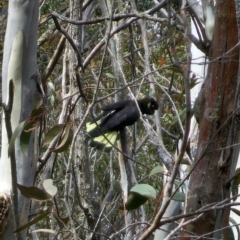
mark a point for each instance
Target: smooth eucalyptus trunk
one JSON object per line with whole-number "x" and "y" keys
{"x": 20, "y": 66}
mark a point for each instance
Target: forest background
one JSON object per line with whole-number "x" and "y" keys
{"x": 171, "y": 176}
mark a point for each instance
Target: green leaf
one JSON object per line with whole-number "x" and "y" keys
{"x": 52, "y": 133}
{"x": 177, "y": 183}
{"x": 135, "y": 200}
{"x": 24, "y": 142}
{"x": 33, "y": 193}
{"x": 25, "y": 137}
{"x": 156, "y": 170}
{"x": 35, "y": 220}
{"x": 144, "y": 190}
{"x": 117, "y": 186}
{"x": 37, "y": 112}
{"x": 18, "y": 129}
{"x": 58, "y": 97}
{"x": 51, "y": 100}
{"x": 30, "y": 126}
{"x": 235, "y": 183}
{"x": 65, "y": 141}
{"x": 179, "y": 196}
{"x": 110, "y": 75}
{"x": 49, "y": 187}
{"x": 236, "y": 211}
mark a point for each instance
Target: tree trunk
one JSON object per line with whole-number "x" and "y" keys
{"x": 20, "y": 65}
{"x": 217, "y": 103}
{"x": 89, "y": 208}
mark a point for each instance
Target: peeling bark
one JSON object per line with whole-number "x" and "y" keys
{"x": 208, "y": 183}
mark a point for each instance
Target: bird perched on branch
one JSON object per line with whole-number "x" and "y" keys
{"x": 103, "y": 133}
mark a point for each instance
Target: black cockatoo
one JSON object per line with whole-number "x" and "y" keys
{"x": 120, "y": 115}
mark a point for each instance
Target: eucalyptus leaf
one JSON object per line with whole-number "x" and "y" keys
{"x": 179, "y": 196}
{"x": 35, "y": 220}
{"x": 134, "y": 201}
{"x": 49, "y": 187}
{"x": 33, "y": 193}
{"x": 144, "y": 190}
{"x": 110, "y": 75}
{"x": 15, "y": 134}
{"x": 156, "y": 170}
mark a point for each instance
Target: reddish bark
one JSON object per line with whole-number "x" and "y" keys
{"x": 208, "y": 183}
